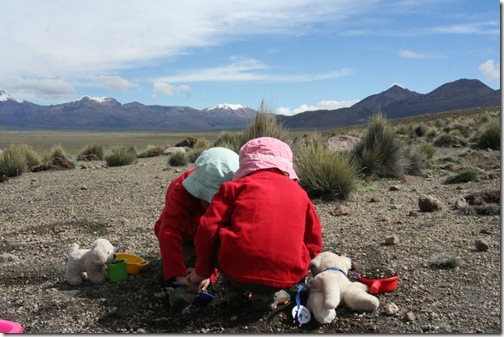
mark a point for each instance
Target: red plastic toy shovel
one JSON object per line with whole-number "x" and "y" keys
{"x": 383, "y": 285}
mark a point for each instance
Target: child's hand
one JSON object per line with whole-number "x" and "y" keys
{"x": 195, "y": 282}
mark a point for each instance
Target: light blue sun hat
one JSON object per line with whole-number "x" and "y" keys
{"x": 213, "y": 167}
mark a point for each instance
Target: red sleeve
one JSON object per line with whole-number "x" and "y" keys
{"x": 178, "y": 220}
{"x": 313, "y": 233}
{"x": 207, "y": 236}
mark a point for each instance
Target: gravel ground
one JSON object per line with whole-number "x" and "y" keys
{"x": 42, "y": 213}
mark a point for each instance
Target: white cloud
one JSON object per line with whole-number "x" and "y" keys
{"x": 247, "y": 69}
{"x": 115, "y": 82}
{"x": 323, "y": 105}
{"x": 490, "y": 70}
{"x": 170, "y": 90}
{"x": 46, "y": 88}
{"x": 407, "y": 54}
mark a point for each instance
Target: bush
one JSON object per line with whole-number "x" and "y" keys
{"x": 201, "y": 144}
{"x": 265, "y": 124}
{"x": 380, "y": 153}
{"x": 32, "y": 158}
{"x": 178, "y": 159}
{"x": 428, "y": 149}
{"x": 57, "y": 151}
{"x": 91, "y": 152}
{"x": 152, "y": 151}
{"x": 416, "y": 160}
{"x": 13, "y": 162}
{"x": 491, "y": 135}
{"x": 121, "y": 155}
{"x": 323, "y": 173}
{"x": 444, "y": 140}
{"x": 228, "y": 140}
{"x": 193, "y": 155}
{"x": 462, "y": 177}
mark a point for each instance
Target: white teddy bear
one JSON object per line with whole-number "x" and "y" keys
{"x": 330, "y": 287}
{"x": 89, "y": 264}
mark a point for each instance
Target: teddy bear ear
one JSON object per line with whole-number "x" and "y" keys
{"x": 315, "y": 262}
{"x": 99, "y": 255}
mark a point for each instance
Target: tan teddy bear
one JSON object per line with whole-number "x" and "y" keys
{"x": 331, "y": 286}
{"x": 89, "y": 264}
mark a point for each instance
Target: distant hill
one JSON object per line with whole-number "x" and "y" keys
{"x": 107, "y": 114}
{"x": 397, "y": 102}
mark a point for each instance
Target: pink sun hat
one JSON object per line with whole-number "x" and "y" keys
{"x": 264, "y": 153}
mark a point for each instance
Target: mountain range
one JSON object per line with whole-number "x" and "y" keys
{"x": 107, "y": 114}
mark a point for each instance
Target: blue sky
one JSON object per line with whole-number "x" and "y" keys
{"x": 295, "y": 55}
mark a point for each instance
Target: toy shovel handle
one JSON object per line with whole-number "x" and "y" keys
{"x": 143, "y": 263}
{"x": 375, "y": 287}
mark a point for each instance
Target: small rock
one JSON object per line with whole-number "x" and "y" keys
{"x": 481, "y": 245}
{"x": 5, "y": 257}
{"x": 392, "y": 240}
{"x": 395, "y": 188}
{"x": 375, "y": 199}
{"x": 414, "y": 214}
{"x": 385, "y": 218}
{"x": 429, "y": 204}
{"x": 340, "y": 210}
{"x": 391, "y": 309}
{"x": 409, "y": 317}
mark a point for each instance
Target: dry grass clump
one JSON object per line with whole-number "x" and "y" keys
{"x": 323, "y": 173}
{"x": 380, "y": 154}
{"x": 121, "y": 156}
{"x": 91, "y": 152}
{"x": 178, "y": 159}
{"x": 152, "y": 151}
{"x": 462, "y": 177}
{"x": 491, "y": 135}
{"x": 13, "y": 162}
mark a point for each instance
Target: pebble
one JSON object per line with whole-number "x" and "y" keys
{"x": 481, "y": 244}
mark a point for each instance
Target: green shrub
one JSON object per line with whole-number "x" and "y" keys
{"x": 152, "y": 151}
{"x": 178, "y": 159}
{"x": 228, "y": 140}
{"x": 121, "y": 155}
{"x": 380, "y": 153}
{"x": 57, "y": 151}
{"x": 13, "y": 162}
{"x": 491, "y": 135}
{"x": 264, "y": 124}
{"x": 32, "y": 158}
{"x": 416, "y": 160}
{"x": 445, "y": 263}
{"x": 421, "y": 130}
{"x": 94, "y": 151}
{"x": 194, "y": 154}
{"x": 462, "y": 177}
{"x": 201, "y": 144}
{"x": 444, "y": 140}
{"x": 428, "y": 149}
{"x": 323, "y": 173}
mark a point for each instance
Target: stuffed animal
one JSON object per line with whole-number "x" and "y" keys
{"x": 331, "y": 286}
{"x": 89, "y": 264}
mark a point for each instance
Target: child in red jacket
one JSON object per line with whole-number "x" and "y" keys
{"x": 262, "y": 228}
{"x": 187, "y": 199}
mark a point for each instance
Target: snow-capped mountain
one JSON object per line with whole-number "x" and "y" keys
{"x": 227, "y": 106}
{"x": 6, "y": 97}
{"x": 105, "y": 113}
{"x": 97, "y": 99}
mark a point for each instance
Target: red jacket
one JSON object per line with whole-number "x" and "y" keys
{"x": 178, "y": 221}
{"x": 264, "y": 229}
